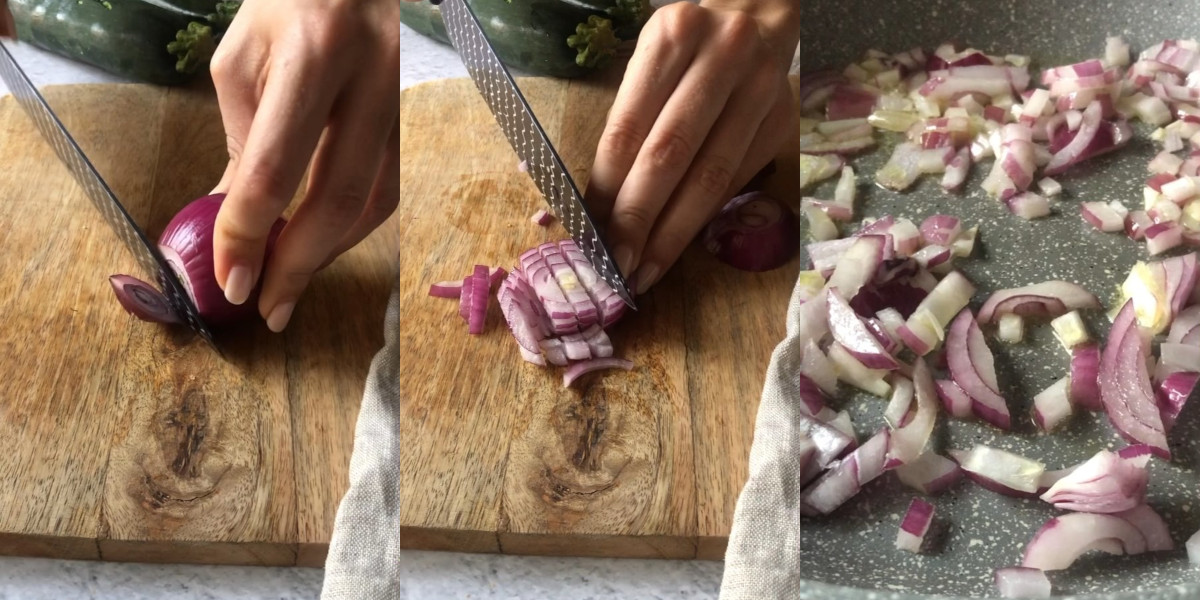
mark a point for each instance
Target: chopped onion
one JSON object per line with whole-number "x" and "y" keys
{"x": 846, "y": 477}
{"x": 1152, "y": 527}
{"x": 817, "y": 168}
{"x": 1047, "y": 299}
{"x": 910, "y": 440}
{"x": 1070, "y": 330}
{"x": 897, "y": 409}
{"x": 1173, "y": 393}
{"x": 956, "y": 402}
{"x": 1061, "y": 540}
{"x": 858, "y": 264}
{"x": 1106, "y": 483}
{"x": 914, "y": 526}
{"x": 582, "y": 368}
{"x": 754, "y": 232}
{"x": 1084, "y": 377}
{"x": 1125, "y": 384}
{"x": 831, "y": 442}
{"x": 1052, "y": 405}
{"x": 930, "y": 473}
{"x": 1193, "y": 548}
{"x": 856, "y": 374}
{"x": 1022, "y": 582}
{"x": 820, "y": 227}
{"x": 541, "y": 217}
{"x": 972, "y": 366}
{"x": 1000, "y": 471}
{"x": 1011, "y": 328}
{"x": 925, "y": 328}
{"x": 1102, "y": 216}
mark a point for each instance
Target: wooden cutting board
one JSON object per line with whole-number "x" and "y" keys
{"x": 496, "y": 455}
{"x": 122, "y": 440}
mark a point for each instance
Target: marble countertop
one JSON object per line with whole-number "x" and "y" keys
{"x": 428, "y": 575}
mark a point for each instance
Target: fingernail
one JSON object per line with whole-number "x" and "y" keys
{"x": 623, "y": 256}
{"x": 647, "y": 276}
{"x": 280, "y": 315}
{"x": 238, "y": 284}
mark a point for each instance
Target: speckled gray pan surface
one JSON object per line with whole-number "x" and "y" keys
{"x": 850, "y": 554}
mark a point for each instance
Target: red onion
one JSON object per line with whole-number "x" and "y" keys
{"x": 1102, "y": 216}
{"x": 1063, "y": 539}
{"x": 1125, "y": 384}
{"x": 956, "y": 402}
{"x": 897, "y": 412}
{"x": 910, "y": 440}
{"x": 1151, "y": 526}
{"x": 187, "y": 245}
{"x": 1181, "y": 276}
{"x": 541, "y": 217}
{"x": 475, "y": 297}
{"x": 925, "y": 327}
{"x": 1047, "y": 299}
{"x": 940, "y": 230}
{"x": 850, "y": 331}
{"x": 846, "y": 477}
{"x": 1085, "y": 372}
{"x": 1173, "y": 393}
{"x": 930, "y": 473}
{"x": 831, "y": 442}
{"x": 754, "y": 232}
{"x": 1000, "y": 471}
{"x": 812, "y": 399}
{"x": 973, "y": 368}
{"x": 859, "y": 263}
{"x": 580, "y": 369}
{"x": 914, "y": 526}
{"x": 1022, "y": 582}
{"x": 816, "y": 366}
{"x": 816, "y": 168}
{"x": 1028, "y": 206}
{"x": 1052, "y": 406}
{"x": 1106, "y": 483}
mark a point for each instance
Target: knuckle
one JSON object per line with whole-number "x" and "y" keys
{"x": 634, "y": 219}
{"x": 623, "y": 139}
{"x": 345, "y": 204}
{"x": 679, "y": 19}
{"x": 715, "y": 177}
{"x": 740, "y": 32}
{"x": 671, "y": 151}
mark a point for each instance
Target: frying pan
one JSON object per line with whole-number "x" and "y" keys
{"x": 850, "y": 554}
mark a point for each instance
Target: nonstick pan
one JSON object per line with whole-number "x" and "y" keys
{"x": 850, "y": 554}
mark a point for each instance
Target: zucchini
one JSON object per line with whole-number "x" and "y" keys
{"x": 554, "y": 38}
{"x": 164, "y": 42}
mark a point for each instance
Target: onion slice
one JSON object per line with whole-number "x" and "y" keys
{"x": 143, "y": 300}
{"x": 850, "y": 331}
{"x": 1063, "y": 539}
{"x": 972, "y": 366}
{"x": 846, "y": 477}
{"x": 931, "y": 473}
{"x": 579, "y": 369}
{"x": 1084, "y": 377}
{"x": 911, "y": 439}
{"x": 1106, "y": 483}
{"x": 1000, "y": 471}
{"x": 1152, "y": 526}
{"x": 1046, "y": 299}
{"x": 1125, "y": 387}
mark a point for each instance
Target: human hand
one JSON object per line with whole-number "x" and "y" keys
{"x": 304, "y": 84}
{"x": 704, "y": 105}
{"x": 8, "y": 28}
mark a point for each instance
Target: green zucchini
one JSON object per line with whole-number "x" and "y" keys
{"x": 554, "y": 38}
{"x": 164, "y": 42}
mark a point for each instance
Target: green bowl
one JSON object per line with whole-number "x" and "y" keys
{"x": 850, "y": 554}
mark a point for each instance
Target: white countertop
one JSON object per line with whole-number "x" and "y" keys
{"x": 428, "y": 575}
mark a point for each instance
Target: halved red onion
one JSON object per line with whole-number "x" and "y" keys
{"x": 1000, "y": 471}
{"x": 846, "y": 477}
{"x": 1101, "y": 216}
{"x": 1063, "y": 539}
{"x": 1052, "y": 406}
{"x": 1085, "y": 373}
{"x": 816, "y": 366}
{"x": 972, "y": 366}
{"x": 1022, "y": 582}
{"x": 914, "y": 526}
{"x": 1151, "y": 525}
{"x": 754, "y": 232}
{"x": 1046, "y": 299}
{"x": 1125, "y": 384}
{"x": 931, "y": 473}
{"x": 1106, "y": 483}
{"x": 1173, "y": 393}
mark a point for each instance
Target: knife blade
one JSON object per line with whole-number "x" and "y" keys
{"x": 98, "y": 191}
{"x": 529, "y": 139}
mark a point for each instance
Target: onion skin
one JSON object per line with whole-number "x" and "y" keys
{"x": 187, "y": 243}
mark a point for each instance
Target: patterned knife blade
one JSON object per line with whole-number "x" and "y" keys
{"x": 528, "y": 138}
{"x": 102, "y": 197}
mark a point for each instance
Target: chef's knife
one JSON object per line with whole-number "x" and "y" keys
{"x": 102, "y": 197}
{"x": 527, "y": 137}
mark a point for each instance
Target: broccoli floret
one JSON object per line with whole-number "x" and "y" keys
{"x": 193, "y": 46}
{"x": 595, "y": 42}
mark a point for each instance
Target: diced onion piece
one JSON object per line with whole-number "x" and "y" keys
{"x": 447, "y": 289}
{"x": 843, "y": 194}
{"x": 965, "y": 244}
{"x": 1011, "y": 328}
{"x": 1070, "y": 330}
{"x": 940, "y": 230}
{"x": 846, "y": 477}
{"x": 820, "y": 227}
{"x": 1000, "y": 471}
{"x": 1029, "y": 206}
{"x": 854, "y": 336}
{"x": 817, "y": 367}
{"x": 582, "y": 368}
{"x": 1106, "y": 483}
{"x": 1085, "y": 371}
{"x": 1061, "y": 540}
{"x": 892, "y": 321}
{"x": 1162, "y": 237}
{"x": 1166, "y": 163}
{"x": 926, "y": 327}
{"x": 1049, "y": 187}
{"x": 1116, "y": 51}
{"x": 930, "y": 473}
{"x": 914, "y": 526}
{"x": 1152, "y": 526}
{"x": 542, "y": 218}
{"x": 956, "y": 402}
{"x": 817, "y": 168}
{"x": 1022, "y": 582}
{"x": 1101, "y": 216}
{"x": 853, "y": 372}
{"x": 910, "y": 440}
{"x": 858, "y": 265}
{"x": 1052, "y": 406}
{"x": 902, "y": 168}
{"x": 897, "y": 409}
